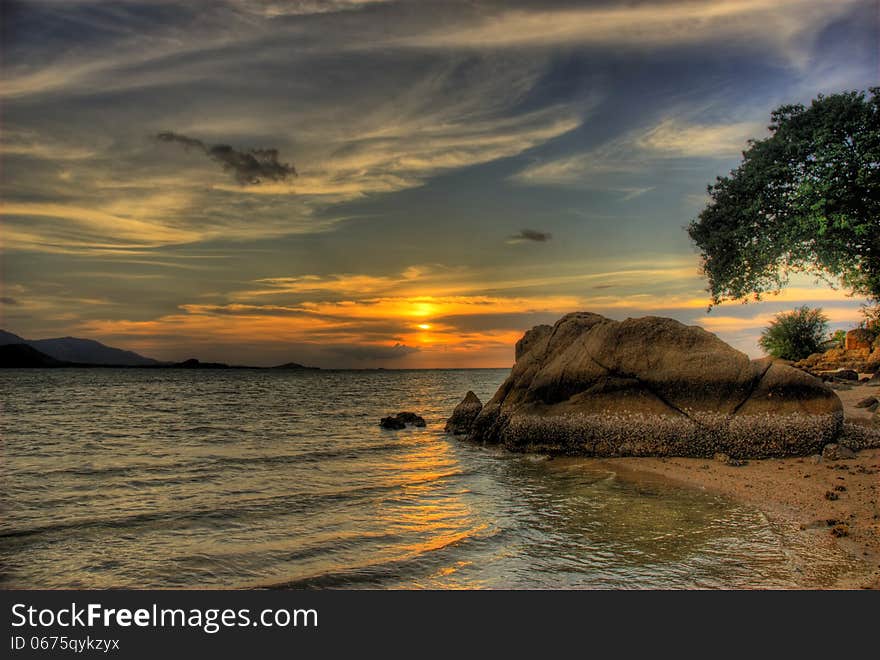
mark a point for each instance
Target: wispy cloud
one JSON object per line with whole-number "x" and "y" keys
{"x": 67, "y": 226}
{"x": 675, "y": 138}
{"x": 641, "y": 149}
{"x": 785, "y": 25}
{"x": 31, "y": 144}
{"x": 762, "y": 320}
{"x": 282, "y": 8}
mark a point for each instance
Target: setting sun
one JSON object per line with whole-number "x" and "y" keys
{"x": 424, "y": 326}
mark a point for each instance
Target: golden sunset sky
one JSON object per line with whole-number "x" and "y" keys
{"x": 464, "y": 170}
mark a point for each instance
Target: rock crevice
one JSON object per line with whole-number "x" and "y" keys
{"x": 652, "y": 386}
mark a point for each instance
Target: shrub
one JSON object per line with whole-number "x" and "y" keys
{"x": 795, "y": 335}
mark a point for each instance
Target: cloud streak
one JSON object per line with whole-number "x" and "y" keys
{"x": 250, "y": 167}
{"x": 786, "y": 25}
{"x": 643, "y": 149}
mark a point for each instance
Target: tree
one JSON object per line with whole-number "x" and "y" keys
{"x": 795, "y": 335}
{"x": 871, "y": 318}
{"x": 805, "y": 199}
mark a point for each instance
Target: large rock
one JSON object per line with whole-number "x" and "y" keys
{"x": 653, "y": 386}
{"x": 465, "y": 413}
{"x": 859, "y": 338}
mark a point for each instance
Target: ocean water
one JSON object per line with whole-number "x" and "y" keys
{"x": 126, "y": 478}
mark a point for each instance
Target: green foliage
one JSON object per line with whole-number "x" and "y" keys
{"x": 837, "y": 340}
{"x": 871, "y": 319}
{"x": 805, "y": 199}
{"x": 795, "y": 335}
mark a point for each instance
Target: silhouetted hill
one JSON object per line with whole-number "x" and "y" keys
{"x": 9, "y": 338}
{"x": 295, "y": 365}
{"x": 22, "y": 356}
{"x": 84, "y": 351}
{"x": 192, "y": 363}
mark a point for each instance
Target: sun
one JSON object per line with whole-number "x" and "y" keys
{"x": 424, "y": 326}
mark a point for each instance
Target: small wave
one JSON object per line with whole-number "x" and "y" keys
{"x": 398, "y": 569}
{"x": 204, "y": 463}
{"x": 286, "y": 504}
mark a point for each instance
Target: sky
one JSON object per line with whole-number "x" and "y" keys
{"x": 398, "y": 184}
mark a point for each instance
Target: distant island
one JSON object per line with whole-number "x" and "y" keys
{"x": 74, "y": 352}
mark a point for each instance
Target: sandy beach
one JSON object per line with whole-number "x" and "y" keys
{"x": 814, "y": 501}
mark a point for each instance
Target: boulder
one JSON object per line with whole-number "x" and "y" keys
{"x": 464, "y": 414}
{"x": 653, "y": 386}
{"x": 867, "y": 402}
{"x": 401, "y": 420}
{"x": 859, "y": 338}
{"x": 858, "y": 359}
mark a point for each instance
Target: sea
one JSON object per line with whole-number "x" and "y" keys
{"x": 175, "y": 478}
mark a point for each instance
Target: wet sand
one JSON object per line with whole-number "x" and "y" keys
{"x": 831, "y": 504}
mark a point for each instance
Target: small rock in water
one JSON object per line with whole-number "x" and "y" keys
{"x": 411, "y": 418}
{"x": 867, "y": 402}
{"x": 391, "y": 423}
{"x": 401, "y": 420}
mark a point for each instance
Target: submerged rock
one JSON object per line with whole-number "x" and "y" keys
{"x": 401, "y": 420}
{"x": 653, "y": 386}
{"x": 464, "y": 415}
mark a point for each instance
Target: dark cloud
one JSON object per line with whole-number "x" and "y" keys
{"x": 248, "y": 167}
{"x": 530, "y": 235}
{"x": 366, "y": 353}
{"x": 518, "y": 321}
{"x": 8, "y": 301}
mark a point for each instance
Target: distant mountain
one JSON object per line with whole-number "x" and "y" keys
{"x": 9, "y": 338}
{"x": 22, "y": 356}
{"x": 295, "y": 365}
{"x": 83, "y": 351}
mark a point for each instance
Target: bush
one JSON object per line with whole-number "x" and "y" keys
{"x": 795, "y": 335}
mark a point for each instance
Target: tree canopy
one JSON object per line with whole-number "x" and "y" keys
{"x": 805, "y": 199}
